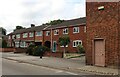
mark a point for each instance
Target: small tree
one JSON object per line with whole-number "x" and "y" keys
{"x": 18, "y": 28}
{"x": 63, "y": 41}
{"x": 80, "y": 49}
{"x": 40, "y": 50}
{"x": 30, "y": 49}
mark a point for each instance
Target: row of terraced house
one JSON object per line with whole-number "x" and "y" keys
{"x": 101, "y": 39}
{"x": 49, "y": 35}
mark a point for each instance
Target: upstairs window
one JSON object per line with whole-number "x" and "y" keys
{"x": 76, "y": 43}
{"x": 9, "y": 37}
{"x": 31, "y": 34}
{"x": 76, "y": 30}
{"x": 25, "y": 35}
{"x": 39, "y": 33}
{"x": 47, "y": 33}
{"x": 18, "y": 36}
{"x": 13, "y": 36}
{"x": 65, "y": 31}
{"x": 56, "y": 32}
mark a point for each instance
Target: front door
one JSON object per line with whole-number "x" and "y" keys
{"x": 99, "y": 52}
{"x": 54, "y": 46}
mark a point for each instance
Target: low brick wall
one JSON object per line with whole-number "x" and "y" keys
{"x": 20, "y": 50}
{"x": 7, "y": 49}
{"x": 54, "y": 54}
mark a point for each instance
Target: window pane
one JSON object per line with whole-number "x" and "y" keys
{"x": 47, "y": 33}
{"x": 76, "y": 30}
{"x": 39, "y": 33}
{"x": 79, "y": 43}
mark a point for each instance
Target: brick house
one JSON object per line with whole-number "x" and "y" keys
{"x": 103, "y": 33}
{"x": 75, "y": 29}
{"x": 2, "y": 35}
{"x": 25, "y": 37}
{"x": 49, "y": 35}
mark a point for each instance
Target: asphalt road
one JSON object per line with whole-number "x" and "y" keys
{"x": 15, "y": 68}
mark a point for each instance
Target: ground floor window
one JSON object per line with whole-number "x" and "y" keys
{"x": 23, "y": 44}
{"x": 16, "y": 44}
{"x": 63, "y": 46}
{"x": 76, "y": 43}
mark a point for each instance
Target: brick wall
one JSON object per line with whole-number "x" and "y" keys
{"x": 78, "y": 36}
{"x": 7, "y": 49}
{"x": 20, "y": 50}
{"x": 51, "y": 54}
{"x": 73, "y": 36}
{"x": 103, "y": 24}
{"x": 119, "y": 36}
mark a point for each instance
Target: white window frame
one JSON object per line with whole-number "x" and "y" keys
{"x": 75, "y": 41}
{"x": 56, "y": 32}
{"x": 47, "y": 33}
{"x": 65, "y": 31}
{"x": 31, "y": 34}
{"x": 76, "y": 29}
{"x": 39, "y": 33}
{"x": 16, "y": 44}
{"x": 63, "y": 46}
{"x": 25, "y": 35}
{"x": 13, "y": 36}
{"x": 23, "y": 44}
{"x": 18, "y": 36}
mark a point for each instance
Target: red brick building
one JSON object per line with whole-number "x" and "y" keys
{"x": 24, "y": 37}
{"x": 103, "y": 33}
{"x": 49, "y": 35}
{"x": 75, "y": 29}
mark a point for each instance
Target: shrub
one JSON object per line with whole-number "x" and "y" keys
{"x": 40, "y": 49}
{"x": 80, "y": 49}
{"x": 30, "y": 49}
{"x": 4, "y": 44}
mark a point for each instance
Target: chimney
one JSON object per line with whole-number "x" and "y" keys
{"x": 32, "y": 25}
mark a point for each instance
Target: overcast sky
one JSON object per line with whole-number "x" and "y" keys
{"x": 25, "y": 12}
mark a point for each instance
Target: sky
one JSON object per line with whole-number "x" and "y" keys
{"x": 26, "y": 12}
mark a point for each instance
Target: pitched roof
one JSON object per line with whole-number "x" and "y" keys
{"x": 73, "y": 22}
{"x": 66, "y": 23}
{"x": 31, "y": 29}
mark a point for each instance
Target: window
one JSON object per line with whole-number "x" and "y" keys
{"x": 76, "y": 30}
{"x": 65, "y": 31}
{"x": 13, "y": 36}
{"x": 16, "y": 44}
{"x": 31, "y": 34}
{"x": 63, "y": 46}
{"x": 9, "y": 37}
{"x": 56, "y": 32}
{"x": 47, "y": 33}
{"x": 25, "y": 35}
{"x": 85, "y": 29}
{"x": 23, "y": 44}
{"x": 18, "y": 36}
{"x": 39, "y": 33}
{"x": 76, "y": 43}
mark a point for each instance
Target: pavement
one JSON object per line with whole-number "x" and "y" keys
{"x": 73, "y": 64}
